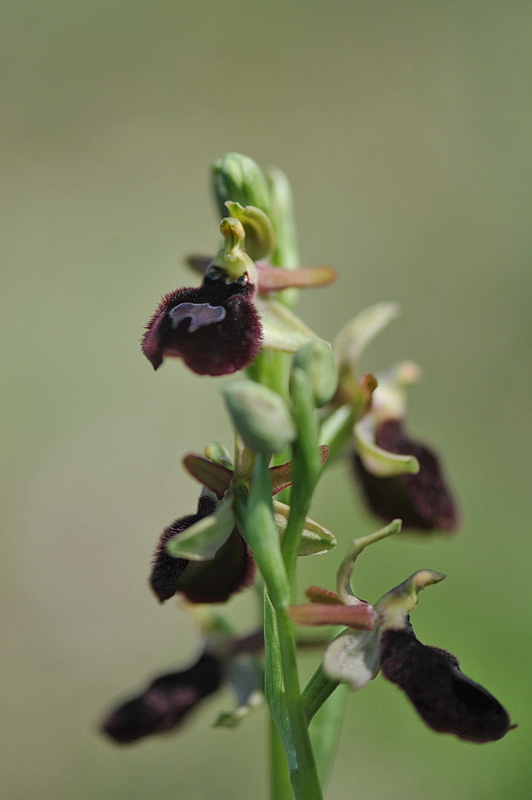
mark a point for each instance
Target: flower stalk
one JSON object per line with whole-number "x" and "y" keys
{"x": 297, "y": 406}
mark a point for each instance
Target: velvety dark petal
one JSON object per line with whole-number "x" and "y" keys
{"x": 214, "y": 328}
{"x": 165, "y": 703}
{"x": 446, "y": 699}
{"x": 231, "y": 570}
{"x": 423, "y": 501}
{"x": 165, "y": 569}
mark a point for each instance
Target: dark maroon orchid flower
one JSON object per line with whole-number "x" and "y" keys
{"x": 166, "y": 702}
{"x": 399, "y": 476}
{"x": 214, "y": 328}
{"x": 422, "y": 500}
{"x": 212, "y": 581}
{"x": 380, "y": 637}
{"x": 446, "y": 699}
{"x": 222, "y": 564}
{"x": 169, "y": 700}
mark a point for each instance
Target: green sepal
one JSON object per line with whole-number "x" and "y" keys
{"x": 315, "y": 539}
{"x": 283, "y": 330}
{"x": 260, "y": 416}
{"x": 344, "y": 589}
{"x": 350, "y": 344}
{"x": 260, "y": 240}
{"x": 354, "y": 337}
{"x": 376, "y": 460}
{"x": 202, "y": 540}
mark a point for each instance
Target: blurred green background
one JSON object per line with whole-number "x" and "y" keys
{"x": 405, "y": 129}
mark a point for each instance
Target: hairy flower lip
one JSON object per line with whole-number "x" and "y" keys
{"x": 423, "y": 500}
{"x": 165, "y": 703}
{"x": 381, "y": 637}
{"x": 231, "y": 570}
{"x": 447, "y": 700}
{"x": 215, "y": 328}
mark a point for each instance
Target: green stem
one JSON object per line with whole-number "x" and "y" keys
{"x": 325, "y": 731}
{"x": 316, "y": 692}
{"x": 284, "y": 699}
{"x": 255, "y": 519}
{"x": 305, "y": 466}
{"x": 280, "y": 785}
{"x": 337, "y": 431}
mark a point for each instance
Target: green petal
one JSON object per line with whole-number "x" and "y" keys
{"x": 395, "y": 606}
{"x": 343, "y": 576}
{"x": 357, "y": 334}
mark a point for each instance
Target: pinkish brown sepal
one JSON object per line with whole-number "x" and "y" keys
{"x": 281, "y": 475}
{"x": 360, "y": 617}
{"x": 422, "y": 500}
{"x": 214, "y": 476}
{"x": 317, "y": 594}
{"x": 275, "y": 279}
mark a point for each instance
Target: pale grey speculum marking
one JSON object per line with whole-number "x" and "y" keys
{"x": 199, "y": 314}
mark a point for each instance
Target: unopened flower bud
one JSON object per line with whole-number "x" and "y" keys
{"x": 240, "y": 179}
{"x": 260, "y": 416}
